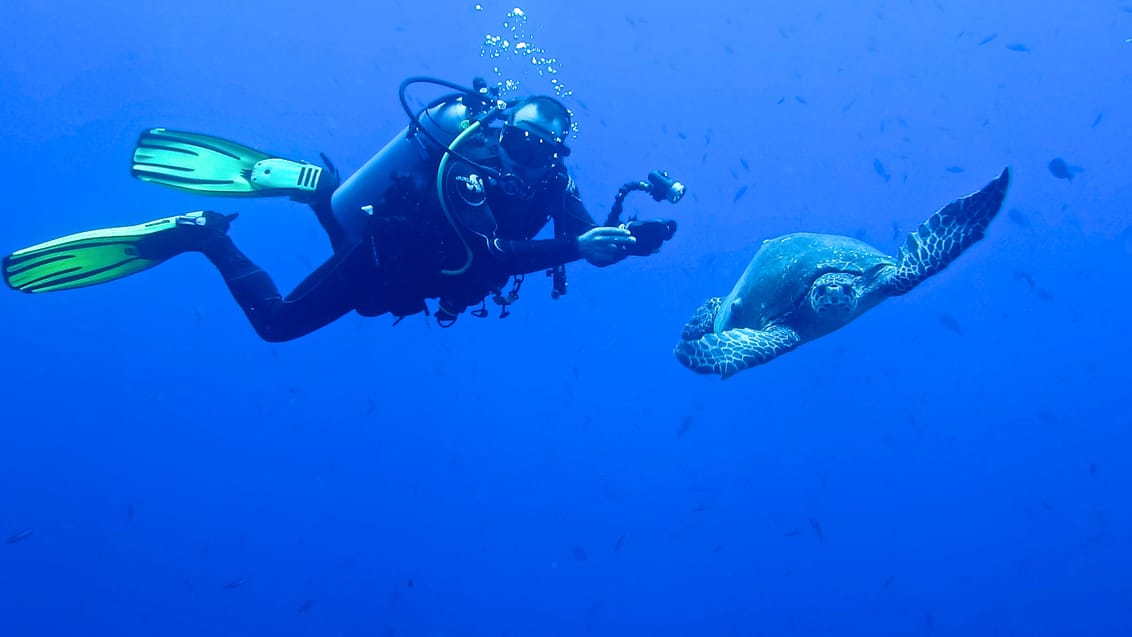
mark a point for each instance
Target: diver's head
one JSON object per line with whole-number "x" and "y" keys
{"x": 534, "y": 134}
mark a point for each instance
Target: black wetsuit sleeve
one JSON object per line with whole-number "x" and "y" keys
{"x": 576, "y": 220}
{"x": 524, "y": 257}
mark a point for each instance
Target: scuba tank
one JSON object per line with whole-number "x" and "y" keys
{"x": 416, "y": 149}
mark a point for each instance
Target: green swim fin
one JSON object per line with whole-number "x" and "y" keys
{"x": 214, "y": 166}
{"x": 97, "y": 256}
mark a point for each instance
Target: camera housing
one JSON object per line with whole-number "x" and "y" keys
{"x": 650, "y": 235}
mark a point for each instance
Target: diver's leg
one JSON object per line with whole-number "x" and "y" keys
{"x": 323, "y": 297}
{"x": 325, "y": 214}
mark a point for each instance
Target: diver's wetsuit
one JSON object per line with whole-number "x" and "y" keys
{"x": 397, "y": 263}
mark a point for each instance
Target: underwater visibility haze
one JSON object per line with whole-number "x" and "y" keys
{"x": 953, "y": 462}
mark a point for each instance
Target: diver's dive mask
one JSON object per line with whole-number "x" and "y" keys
{"x": 531, "y": 149}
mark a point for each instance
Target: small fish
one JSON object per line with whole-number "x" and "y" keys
{"x": 889, "y": 580}
{"x": 619, "y": 544}
{"x": 305, "y": 606}
{"x": 409, "y": 583}
{"x": 19, "y": 536}
{"x": 792, "y": 532}
{"x": 1051, "y": 417}
{"x": 129, "y": 513}
{"x": 685, "y": 426}
{"x": 744, "y": 164}
{"x": 739, "y": 194}
{"x": 951, "y": 324}
{"x": 896, "y": 232}
{"x": 816, "y": 526}
{"x": 1019, "y": 218}
{"x": 955, "y": 170}
{"x": 987, "y": 40}
{"x": 703, "y": 507}
{"x": 579, "y": 553}
{"x": 1096, "y": 121}
{"x": 1018, "y": 47}
{"x": 1092, "y": 468}
{"x": 1026, "y": 277}
{"x": 800, "y": 99}
{"x": 848, "y": 105}
{"x": 1059, "y": 168}
{"x": 879, "y": 168}
{"x": 235, "y": 583}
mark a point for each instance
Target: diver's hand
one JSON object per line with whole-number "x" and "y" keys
{"x": 603, "y": 245}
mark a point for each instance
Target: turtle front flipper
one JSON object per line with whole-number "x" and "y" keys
{"x": 734, "y": 350}
{"x": 703, "y": 321}
{"x": 946, "y": 234}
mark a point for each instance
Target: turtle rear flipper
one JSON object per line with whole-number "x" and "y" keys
{"x": 946, "y": 234}
{"x": 734, "y": 350}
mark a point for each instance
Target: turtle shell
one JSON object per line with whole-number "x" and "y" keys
{"x": 782, "y": 271}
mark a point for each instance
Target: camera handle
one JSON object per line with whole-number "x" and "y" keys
{"x": 659, "y": 185}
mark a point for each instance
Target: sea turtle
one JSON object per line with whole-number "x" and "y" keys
{"x": 801, "y": 286}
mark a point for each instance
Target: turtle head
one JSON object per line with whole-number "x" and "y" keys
{"x": 835, "y": 295}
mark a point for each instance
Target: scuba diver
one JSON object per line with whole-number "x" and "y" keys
{"x": 447, "y": 210}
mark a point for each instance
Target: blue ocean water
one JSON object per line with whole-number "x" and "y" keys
{"x": 953, "y": 463}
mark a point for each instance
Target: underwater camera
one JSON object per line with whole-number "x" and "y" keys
{"x": 649, "y": 233}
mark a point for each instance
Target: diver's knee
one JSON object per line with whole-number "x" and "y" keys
{"x": 271, "y": 334}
